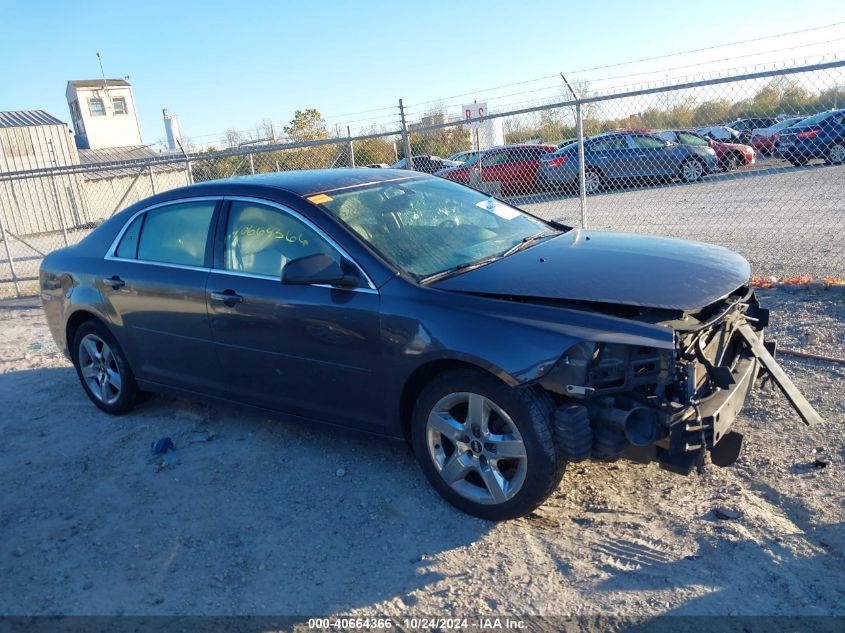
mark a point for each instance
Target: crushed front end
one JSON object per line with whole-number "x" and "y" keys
{"x": 669, "y": 406}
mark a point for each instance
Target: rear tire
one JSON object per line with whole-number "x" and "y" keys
{"x": 593, "y": 181}
{"x": 103, "y": 370}
{"x": 487, "y": 448}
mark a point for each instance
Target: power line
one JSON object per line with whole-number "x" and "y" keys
{"x": 637, "y": 61}
{"x": 706, "y": 48}
{"x": 716, "y": 61}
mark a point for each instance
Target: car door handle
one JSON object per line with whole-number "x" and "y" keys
{"x": 114, "y": 281}
{"x": 229, "y": 297}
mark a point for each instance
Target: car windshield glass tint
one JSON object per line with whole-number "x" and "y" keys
{"x": 426, "y": 226}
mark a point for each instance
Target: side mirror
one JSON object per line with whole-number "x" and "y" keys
{"x": 318, "y": 268}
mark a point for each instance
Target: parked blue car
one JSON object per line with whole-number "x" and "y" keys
{"x": 626, "y": 157}
{"x": 819, "y": 136}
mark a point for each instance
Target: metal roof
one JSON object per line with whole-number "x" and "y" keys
{"x": 111, "y": 157}
{"x": 97, "y": 83}
{"x": 24, "y": 118}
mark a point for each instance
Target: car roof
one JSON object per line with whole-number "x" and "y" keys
{"x": 308, "y": 181}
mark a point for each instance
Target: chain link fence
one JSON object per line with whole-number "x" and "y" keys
{"x": 658, "y": 160}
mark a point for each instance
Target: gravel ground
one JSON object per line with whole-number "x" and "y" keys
{"x": 786, "y": 221}
{"x": 259, "y": 516}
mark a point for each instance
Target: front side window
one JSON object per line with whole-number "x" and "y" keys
{"x": 496, "y": 158}
{"x": 95, "y": 106}
{"x": 427, "y": 226}
{"x": 646, "y": 142}
{"x": 691, "y": 139}
{"x": 176, "y": 234}
{"x": 119, "y": 104}
{"x": 260, "y": 240}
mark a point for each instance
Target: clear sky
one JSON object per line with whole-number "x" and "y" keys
{"x": 223, "y": 64}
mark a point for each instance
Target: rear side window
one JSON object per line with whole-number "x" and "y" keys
{"x": 614, "y": 142}
{"x": 646, "y": 141}
{"x": 128, "y": 247}
{"x": 176, "y": 234}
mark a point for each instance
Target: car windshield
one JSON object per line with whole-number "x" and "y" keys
{"x": 565, "y": 148}
{"x": 428, "y": 226}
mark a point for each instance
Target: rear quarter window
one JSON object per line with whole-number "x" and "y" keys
{"x": 128, "y": 247}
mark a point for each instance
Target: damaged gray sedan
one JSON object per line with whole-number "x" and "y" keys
{"x": 499, "y": 345}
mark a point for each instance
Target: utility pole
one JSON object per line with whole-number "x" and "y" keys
{"x": 579, "y": 125}
{"x": 406, "y": 142}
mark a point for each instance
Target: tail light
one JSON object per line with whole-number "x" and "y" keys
{"x": 557, "y": 162}
{"x": 808, "y": 134}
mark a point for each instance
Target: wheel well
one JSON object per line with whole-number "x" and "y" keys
{"x": 73, "y": 324}
{"x": 420, "y": 378}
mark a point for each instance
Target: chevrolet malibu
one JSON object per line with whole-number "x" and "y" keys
{"x": 499, "y": 345}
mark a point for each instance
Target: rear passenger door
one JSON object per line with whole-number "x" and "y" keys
{"x": 612, "y": 155}
{"x": 154, "y": 281}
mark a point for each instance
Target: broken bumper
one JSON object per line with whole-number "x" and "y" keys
{"x": 702, "y": 426}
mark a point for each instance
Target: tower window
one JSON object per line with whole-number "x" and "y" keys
{"x": 119, "y": 104}
{"x": 96, "y": 107}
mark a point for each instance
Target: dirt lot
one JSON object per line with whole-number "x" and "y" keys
{"x": 265, "y": 517}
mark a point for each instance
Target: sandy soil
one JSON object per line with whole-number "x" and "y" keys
{"x": 259, "y": 516}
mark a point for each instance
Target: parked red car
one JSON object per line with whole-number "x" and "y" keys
{"x": 763, "y": 139}
{"x": 729, "y": 156}
{"x": 514, "y": 166}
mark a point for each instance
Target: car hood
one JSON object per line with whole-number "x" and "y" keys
{"x": 728, "y": 145}
{"x": 605, "y": 267}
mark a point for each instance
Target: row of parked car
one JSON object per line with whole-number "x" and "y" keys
{"x": 634, "y": 156}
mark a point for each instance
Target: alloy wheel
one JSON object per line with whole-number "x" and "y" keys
{"x": 99, "y": 369}
{"x": 476, "y": 448}
{"x": 692, "y": 170}
{"x": 837, "y": 154}
{"x": 592, "y": 182}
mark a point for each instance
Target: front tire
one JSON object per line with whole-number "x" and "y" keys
{"x": 692, "y": 170}
{"x": 103, "y": 370}
{"x": 487, "y": 448}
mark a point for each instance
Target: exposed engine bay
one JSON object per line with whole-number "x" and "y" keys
{"x": 670, "y": 406}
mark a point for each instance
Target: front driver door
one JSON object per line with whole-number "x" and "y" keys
{"x": 308, "y": 350}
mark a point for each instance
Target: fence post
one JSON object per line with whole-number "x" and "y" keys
{"x": 190, "y": 171}
{"x": 406, "y": 142}
{"x": 251, "y": 165}
{"x": 5, "y": 239}
{"x": 582, "y": 188}
{"x": 152, "y": 180}
{"x": 579, "y": 125}
{"x": 351, "y": 146}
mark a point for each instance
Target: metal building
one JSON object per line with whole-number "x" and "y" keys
{"x": 33, "y": 140}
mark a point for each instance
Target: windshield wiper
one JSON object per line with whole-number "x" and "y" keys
{"x": 525, "y": 242}
{"x": 460, "y": 268}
